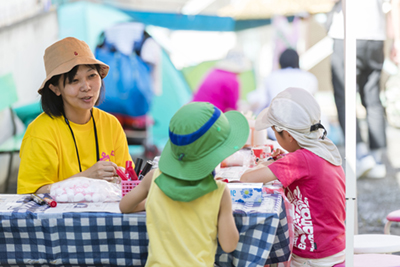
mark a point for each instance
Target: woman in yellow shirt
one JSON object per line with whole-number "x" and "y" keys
{"x": 71, "y": 138}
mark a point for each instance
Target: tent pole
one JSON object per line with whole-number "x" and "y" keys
{"x": 349, "y": 11}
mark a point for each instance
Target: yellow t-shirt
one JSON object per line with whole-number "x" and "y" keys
{"x": 182, "y": 233}
{"x": 48, "y": 153}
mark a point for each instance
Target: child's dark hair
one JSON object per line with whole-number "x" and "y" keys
{"x": 289, "y": 58}
{"x": 52, "y": 104}
{"x": 280, "y": 133}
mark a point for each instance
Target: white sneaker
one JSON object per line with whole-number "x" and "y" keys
{"x": 365, "y": 165}
{"x": 377, "y": 172}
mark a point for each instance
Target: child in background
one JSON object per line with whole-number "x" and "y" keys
{"x": 312, "y": 175}
{"x": 185, "y": 207}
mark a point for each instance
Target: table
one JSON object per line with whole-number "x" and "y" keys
{"x": 38, "y": 238}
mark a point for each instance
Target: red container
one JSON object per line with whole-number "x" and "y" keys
{"x": 127, "y": 186}
{"x": 257, "y": 151}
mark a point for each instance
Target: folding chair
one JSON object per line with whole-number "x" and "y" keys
{"x": 8, "y": 97}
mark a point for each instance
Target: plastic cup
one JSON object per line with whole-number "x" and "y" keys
{"x": 257, "y": 151}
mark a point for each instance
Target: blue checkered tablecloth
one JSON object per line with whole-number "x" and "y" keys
{"x": 264, "y": 234}
{"x": 112, "y": 239}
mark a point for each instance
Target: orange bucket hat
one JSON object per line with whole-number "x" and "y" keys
{"x": 64, "y": 55}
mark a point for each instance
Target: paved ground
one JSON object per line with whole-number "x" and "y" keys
{"x": 378, "y": 197}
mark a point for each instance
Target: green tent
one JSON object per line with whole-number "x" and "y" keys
{"x": 175, "y": 93}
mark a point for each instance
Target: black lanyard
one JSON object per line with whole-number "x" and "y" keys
{"x": 76, "y": 147}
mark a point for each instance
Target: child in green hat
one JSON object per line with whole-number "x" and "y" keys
{"x": 185, "y": 207}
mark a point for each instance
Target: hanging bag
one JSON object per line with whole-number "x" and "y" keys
{"x": 128, "y": 85}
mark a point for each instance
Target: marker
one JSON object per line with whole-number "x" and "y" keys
{"x": 130, "y": 171}
{"x": 45, "y": 200}
{"x": 122, "y": 174}
{"x": 140, "y": 176}
{"x": 138, "y": 165}
{"x": 146, "y": 169}
{"x": 132, "y": 174}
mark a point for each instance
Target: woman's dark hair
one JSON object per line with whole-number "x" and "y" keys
{"x": 52, "y": 104}
{"x": 289, "y": 58}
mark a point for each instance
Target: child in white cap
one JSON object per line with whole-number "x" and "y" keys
{"x": 311, "y": 174}
{"x": 185, "y": 207}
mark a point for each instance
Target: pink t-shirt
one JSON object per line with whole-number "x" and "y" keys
{"x": 220, "y": 88}
{"x": 316, "y": 188}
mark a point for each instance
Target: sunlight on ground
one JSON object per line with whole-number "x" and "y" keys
{"x": 393, "y": 146}
{"x": 398, "y": 178}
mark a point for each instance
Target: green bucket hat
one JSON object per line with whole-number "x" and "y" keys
{"x": 200, "y": 137}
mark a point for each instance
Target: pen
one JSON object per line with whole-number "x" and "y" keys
{"x": 45, "y": 200}
{"x": 146, "y": 169}
{"x": 138, "y": 165}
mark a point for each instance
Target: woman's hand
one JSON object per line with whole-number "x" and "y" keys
{"x": 105, "y": 170}
{"x": 44, "y": 189}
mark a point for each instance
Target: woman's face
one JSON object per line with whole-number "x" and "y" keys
{"x": 81, "y": 93}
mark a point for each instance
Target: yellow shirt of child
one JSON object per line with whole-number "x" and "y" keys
{"x": 48, "y": 154}
{"x": 182, "y": 233}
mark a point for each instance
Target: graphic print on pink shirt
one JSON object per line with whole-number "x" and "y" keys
{"x": 304, "y": 233}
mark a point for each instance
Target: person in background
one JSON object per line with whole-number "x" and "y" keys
{"x": 311, "y": 174}
{"x": 289, "y": 75}
{"x": 221, "y": 86}
{"x": 71, "y": 138}
{"x": 370, "y": 32}
{"x": 186, "y": 208}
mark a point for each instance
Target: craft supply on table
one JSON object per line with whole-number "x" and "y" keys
{"x": 262, "y": 152}
{"x": 44, "y": 200}
{"x": 155, "y": 162}
{"x": 129, "y": 171}
{"x": 147, "y": 167}
{"x": 230, "y": 173}
{"x": 84, "y": 189}
{"x": 128, "y": 185}
{"x": 246, "y": 192}
{"x": 121, "y": 174}
{"x": 138, "y": 166}
{"x": 256, "y": 138}
{"x": 242, "y": 157}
